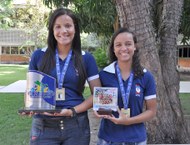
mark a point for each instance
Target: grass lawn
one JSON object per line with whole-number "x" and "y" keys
{"x": 185, "y": 101}
{"x": 12, "y": 73}
{"x": 15, "y": 129}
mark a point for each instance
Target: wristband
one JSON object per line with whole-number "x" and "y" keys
{"x": 73, "y": 111}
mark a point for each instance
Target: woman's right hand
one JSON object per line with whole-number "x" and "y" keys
{"x": 28, "y": 113}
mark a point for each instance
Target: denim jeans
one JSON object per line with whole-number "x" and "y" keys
{"x": 62, "y": 131}
{"x": 103, "y": 142}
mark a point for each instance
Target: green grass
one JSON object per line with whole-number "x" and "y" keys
{"x": 15, "y": 129}
{"x": 12, "y": 73}
{"x": 185, "y": 101}
{"x": 86, "y": 92}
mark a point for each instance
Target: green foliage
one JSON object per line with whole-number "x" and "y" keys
{"x": 5, "y": 12}
{"x": 185, "y": 23}
{"x": 86, "y": 92}
{"x": 96, "y": 16}
{"x": 33, "y": 20}
{"x": 99, "y": 15}
{"x": 30, "y": 18}
{"x": 56, "y": 3}
{"x": 101, "y": 57}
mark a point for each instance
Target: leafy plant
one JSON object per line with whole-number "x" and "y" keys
{"x": 101, "y": 57}
{"x": 96, "y": 16}
{"x": 185, "y": 21}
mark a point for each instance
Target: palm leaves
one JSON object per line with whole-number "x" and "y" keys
{"x": 185, "y": 23}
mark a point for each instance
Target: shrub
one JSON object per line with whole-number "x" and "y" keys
{"x": 101, "y": 57}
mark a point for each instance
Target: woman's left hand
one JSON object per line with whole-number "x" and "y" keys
{"x": 123, "y": 118}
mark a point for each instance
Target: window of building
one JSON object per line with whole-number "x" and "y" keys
{"x": 14, "y": 50}
{"x": 5, "y": 50}
{"x": 184, "y": 51}
{"x": 27, "y": 50}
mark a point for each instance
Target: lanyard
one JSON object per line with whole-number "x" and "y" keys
{"x": 61, "y": 74}
{"x": 124, "y": 94}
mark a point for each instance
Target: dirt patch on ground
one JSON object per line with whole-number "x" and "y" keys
{"x": 94, "y": 127}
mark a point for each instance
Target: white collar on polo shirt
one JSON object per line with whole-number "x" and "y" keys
{"x": 111, "y": 68}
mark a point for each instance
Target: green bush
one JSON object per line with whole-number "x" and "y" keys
{"x": 101, "y": 57}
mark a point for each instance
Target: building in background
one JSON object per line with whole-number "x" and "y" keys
{"x": 184, "y": 56}
{"x": 15, "y": 46}
{"x": 25, "y": 32}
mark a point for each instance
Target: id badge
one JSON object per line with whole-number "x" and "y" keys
{"x": 60, "y": 94}
{"x": 126, "y": 111}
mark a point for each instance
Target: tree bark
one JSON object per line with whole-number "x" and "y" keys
{"x": 160, "y": 58}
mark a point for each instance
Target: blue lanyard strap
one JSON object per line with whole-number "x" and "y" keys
{"x": 61, "y": 74}
{"x": 125, "y": 94}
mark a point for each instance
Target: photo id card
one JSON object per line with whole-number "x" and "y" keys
{"x": 60, "y": 94}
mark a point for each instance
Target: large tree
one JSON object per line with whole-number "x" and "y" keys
{"x": 156, "y": 24}
{"x": 100, "y": 16}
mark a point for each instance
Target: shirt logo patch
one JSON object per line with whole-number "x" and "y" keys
{"x": 138, "y": 90}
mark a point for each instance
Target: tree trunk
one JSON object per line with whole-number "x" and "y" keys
{"x": 160, "y": 58}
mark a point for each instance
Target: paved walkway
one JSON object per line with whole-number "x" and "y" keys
{"x": 16, "y": 87}
{"x": 20, "y": 87}
{"x": 184, "y": 87}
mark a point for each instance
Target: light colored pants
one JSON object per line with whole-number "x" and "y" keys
{"x": 103, "y": 142}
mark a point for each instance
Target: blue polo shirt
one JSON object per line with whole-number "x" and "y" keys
{"x": 143, "y": 88}
{"x": 72, "y": 97}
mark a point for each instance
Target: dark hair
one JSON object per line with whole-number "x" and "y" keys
{"x": 48, "y": 60}
{"x": 136, "y": 66}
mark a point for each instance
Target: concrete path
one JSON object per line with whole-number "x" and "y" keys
{"x": 20, "y": 87}
{"x": 184, "y": 87}
{"x": 16, "y": 87}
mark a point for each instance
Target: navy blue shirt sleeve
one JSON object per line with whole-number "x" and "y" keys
{"x": 35, "y": 59}
{"x": 150, "y": 86}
